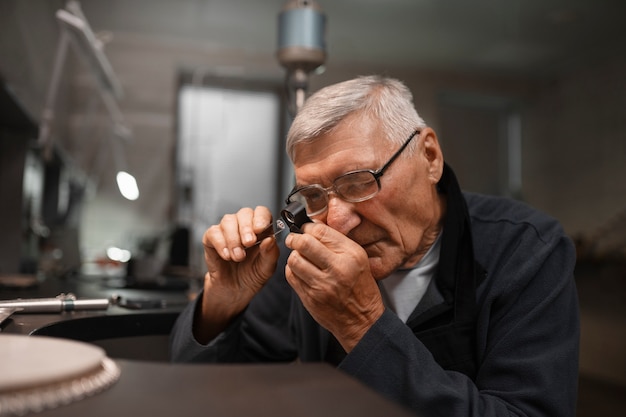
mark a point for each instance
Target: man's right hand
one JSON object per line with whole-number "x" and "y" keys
{"x": 237, "y": 269}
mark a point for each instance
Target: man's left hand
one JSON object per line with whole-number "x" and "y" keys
{"x": 331, "y": 275}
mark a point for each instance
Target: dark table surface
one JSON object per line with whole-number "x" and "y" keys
{"x": 159, "y": 388}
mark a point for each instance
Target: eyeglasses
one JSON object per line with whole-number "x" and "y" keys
{"x": 353, "y": 186}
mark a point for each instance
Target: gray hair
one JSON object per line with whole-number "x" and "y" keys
{"x": 384, "y": 99}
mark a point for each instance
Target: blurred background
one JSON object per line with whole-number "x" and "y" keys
{"x": 528, "y": 98}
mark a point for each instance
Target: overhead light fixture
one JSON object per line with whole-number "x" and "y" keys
{"x": 301, "y": 46}
{"x": 126, "y": 182}
{"x": 76, "y": 31}
{"x": 127, "y": 185}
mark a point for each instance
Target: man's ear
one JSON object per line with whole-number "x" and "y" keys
{"x": 433, "y": 154}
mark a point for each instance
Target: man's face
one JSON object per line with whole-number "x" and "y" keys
{"x": 398, "y": 225}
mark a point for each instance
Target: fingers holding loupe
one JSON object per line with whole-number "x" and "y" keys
{"x": 293, "y": 216}
{"x": 272, "y": 230}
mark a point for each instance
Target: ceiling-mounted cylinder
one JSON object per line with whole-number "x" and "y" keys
{"x": 301, "y": 35}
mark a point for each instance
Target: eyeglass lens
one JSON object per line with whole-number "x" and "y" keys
{"x": 352, "y": 187}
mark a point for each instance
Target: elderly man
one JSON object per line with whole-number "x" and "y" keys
{"x": 447, "y": 302}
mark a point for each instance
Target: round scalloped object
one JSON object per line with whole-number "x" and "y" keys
{"x": 43, "y": 372}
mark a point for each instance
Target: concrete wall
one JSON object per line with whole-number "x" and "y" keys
{"x": 575, "y": 146}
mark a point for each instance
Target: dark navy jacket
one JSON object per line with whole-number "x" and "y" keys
{"x": 496, "y": 333}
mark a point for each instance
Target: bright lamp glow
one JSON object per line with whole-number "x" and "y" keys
{"x": 127, "y": 185}
{"x": 118, "y": 254}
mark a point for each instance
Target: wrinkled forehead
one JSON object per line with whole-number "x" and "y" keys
{"x": 354, "y": 134}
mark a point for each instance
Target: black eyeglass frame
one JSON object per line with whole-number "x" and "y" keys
{"x": 376, "y": 174}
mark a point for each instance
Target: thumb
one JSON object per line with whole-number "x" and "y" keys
{"x": 267, "y": 257}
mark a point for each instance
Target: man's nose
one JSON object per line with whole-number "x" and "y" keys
{"x": 341, "y": 215}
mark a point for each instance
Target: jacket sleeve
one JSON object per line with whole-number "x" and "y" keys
{"x": 527, "y": 344}
{"x": 259, "y": 334}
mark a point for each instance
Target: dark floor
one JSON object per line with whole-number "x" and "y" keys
{"x": 599, "y": 399}
{"x": 602, "y": 296}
